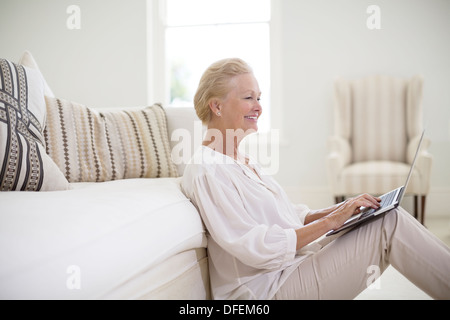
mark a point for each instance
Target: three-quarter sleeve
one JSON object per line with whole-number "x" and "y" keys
{"x": 232, "y": 224}
{"x": 302, "y": 211}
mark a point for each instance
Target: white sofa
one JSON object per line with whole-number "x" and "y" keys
{"x": 133, "y": 238}
{"x": 123, "y": 239}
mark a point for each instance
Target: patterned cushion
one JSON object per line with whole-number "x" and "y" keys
{"x": 92, "y": 146}
{"x": 24, "y": 164}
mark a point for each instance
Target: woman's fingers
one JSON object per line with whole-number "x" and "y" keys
{"x": 372, "y": 202}
{"x": 354, "y": 206}
{"x": 358, "y": 204}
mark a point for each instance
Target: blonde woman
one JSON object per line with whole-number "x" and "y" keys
{"x": 260, "y": 245}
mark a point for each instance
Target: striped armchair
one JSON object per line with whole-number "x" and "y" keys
{"x": 378, "y": 123}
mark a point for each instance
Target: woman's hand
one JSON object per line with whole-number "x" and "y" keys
{"x": 332, "y": 218}
{"x": 350, "y": 207}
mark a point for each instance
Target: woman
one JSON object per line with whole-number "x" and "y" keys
{"x": 260, "y": 245}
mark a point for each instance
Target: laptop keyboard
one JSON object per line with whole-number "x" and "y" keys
{"x": 386, "y": 200}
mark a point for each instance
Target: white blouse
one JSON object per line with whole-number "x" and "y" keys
{"x": 251, "y": 225}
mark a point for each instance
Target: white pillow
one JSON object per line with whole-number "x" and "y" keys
{"x": 27, "y": 60}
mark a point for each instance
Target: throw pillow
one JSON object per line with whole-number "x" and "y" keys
{"x": 27, "y": 60}
{"x": 25, "y": 166}
{"x": 93, "y": 146}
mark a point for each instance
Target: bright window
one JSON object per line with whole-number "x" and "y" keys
{"x": 200, "y": 32}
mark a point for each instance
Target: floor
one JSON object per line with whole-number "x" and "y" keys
{"x": 392, "y": 285}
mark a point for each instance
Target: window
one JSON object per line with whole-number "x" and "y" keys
{"x": 200, "y": 32}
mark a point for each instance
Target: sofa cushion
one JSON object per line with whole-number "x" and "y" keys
{"x": 93, "y": 146}
{"x": 24, "y": 164}
{"x": 28, "y": 60}
{"x": 114, "y": 232}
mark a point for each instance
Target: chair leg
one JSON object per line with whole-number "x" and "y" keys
{"x": 416, "y": 202}
{"x": 422, "y": 216}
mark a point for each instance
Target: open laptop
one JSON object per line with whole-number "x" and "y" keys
{"x": 389, "y": 201}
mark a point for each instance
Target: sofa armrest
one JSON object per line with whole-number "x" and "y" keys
{"x": 185, "y": 134}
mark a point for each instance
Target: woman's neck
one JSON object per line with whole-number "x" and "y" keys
{"x": 224, "y": 141}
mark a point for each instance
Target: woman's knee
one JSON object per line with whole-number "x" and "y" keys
{"x": 401, "y": 216}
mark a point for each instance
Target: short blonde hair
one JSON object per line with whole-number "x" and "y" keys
{"x": 215, "y": 83}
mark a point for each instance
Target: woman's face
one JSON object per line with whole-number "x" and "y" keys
{"x": 241, "y": 109}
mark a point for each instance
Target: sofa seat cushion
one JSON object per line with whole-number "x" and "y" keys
{"x": 104, "y": 233}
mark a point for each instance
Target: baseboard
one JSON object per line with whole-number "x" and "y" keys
{"x": 321, "y": 197}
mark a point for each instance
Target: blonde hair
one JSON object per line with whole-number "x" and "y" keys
{"x": 215, "y": 83}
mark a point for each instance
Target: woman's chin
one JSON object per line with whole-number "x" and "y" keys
{"x": 251, "y": 129}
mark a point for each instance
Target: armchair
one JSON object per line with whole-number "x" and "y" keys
{"x": 378, "y": 123}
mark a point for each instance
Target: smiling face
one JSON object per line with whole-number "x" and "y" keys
{"x": 240, "y": 109}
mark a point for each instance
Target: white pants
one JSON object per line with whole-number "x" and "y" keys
{"x": 346, "y": 266}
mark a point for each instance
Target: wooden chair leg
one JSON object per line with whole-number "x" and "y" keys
{"x": 416, "y": 210}
{"x": 422, "y": 215}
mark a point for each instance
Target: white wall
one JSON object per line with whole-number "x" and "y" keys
{"x": 325, "y": 39}
{"x": 104, "y": 64}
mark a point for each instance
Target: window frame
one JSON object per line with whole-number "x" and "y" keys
{"x": 158, "y": 81}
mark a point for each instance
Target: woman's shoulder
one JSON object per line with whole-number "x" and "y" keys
{"x": 203, "y": 166}
{"x": 206, "y": 161}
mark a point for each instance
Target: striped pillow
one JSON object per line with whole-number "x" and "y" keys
{"x": 92, "y": 146}
{"x": 24, "y": 164}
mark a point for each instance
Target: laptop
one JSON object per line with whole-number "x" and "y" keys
{"x": 388, "y": 202}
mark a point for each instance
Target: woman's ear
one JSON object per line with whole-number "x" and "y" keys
{"x": 215, "y": 106}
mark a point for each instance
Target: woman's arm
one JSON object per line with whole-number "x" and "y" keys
{"x": 332, "y": 218}
{"x": 314, "y": 215}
